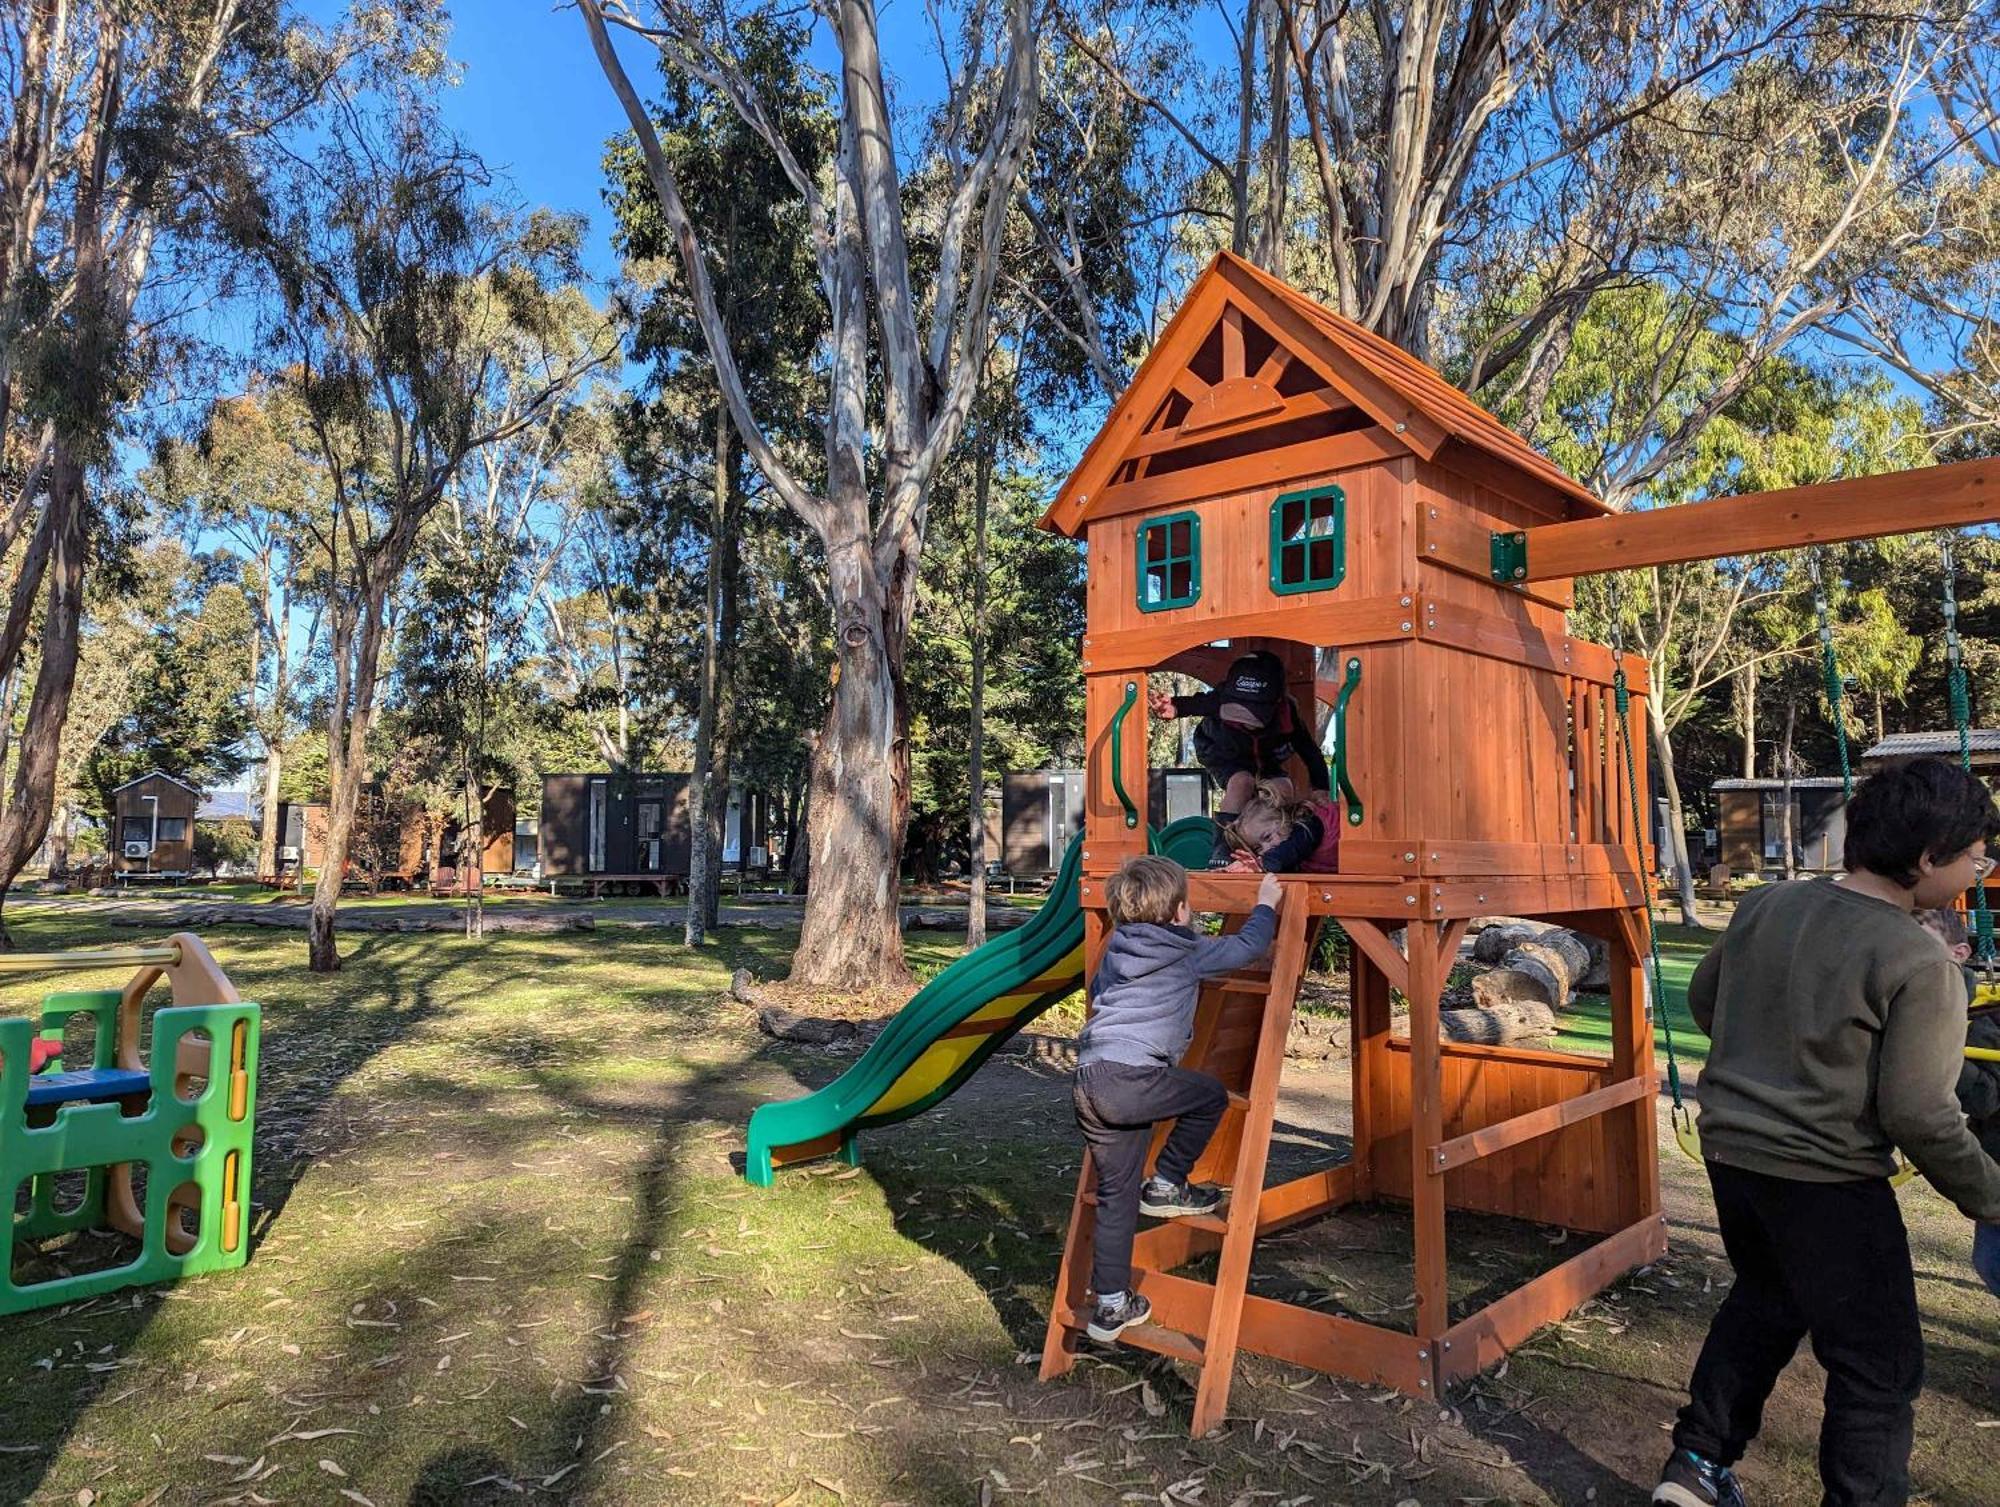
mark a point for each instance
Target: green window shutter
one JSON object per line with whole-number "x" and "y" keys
{"x": 1308, "y": 540}
{"x": 1169, "y": 562}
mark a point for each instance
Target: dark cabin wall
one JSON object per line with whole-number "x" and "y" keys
{"x": 176, "y": 802}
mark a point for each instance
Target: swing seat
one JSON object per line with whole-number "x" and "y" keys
{"x": 88, "y": 1085}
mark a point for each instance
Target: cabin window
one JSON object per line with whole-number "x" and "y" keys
{"x": 1309, "y": 540}
{"x": 173, "y": 829}
{"x": 1169, "y": 562}
{"x": 138, "y": 829}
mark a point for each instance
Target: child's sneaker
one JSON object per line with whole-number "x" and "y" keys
{"x": 1114, "y": 1315}
{"x": 1160, "y": 1199}
{"x": 1691, "y": 1480}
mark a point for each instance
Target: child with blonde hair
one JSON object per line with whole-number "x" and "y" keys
{"x": 1278, "y": 833}
{"x": 1142, "y": 1002}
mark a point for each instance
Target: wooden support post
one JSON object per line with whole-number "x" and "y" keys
{"x": 1368, "y": 1059}
{"x": 1072, "y": 1277}
{"x": 1426, "y": 1129}
{"x": 1632, "y": 1050}
{"x": 1232, "y": 1276}
{"x": 1431, "y": 947}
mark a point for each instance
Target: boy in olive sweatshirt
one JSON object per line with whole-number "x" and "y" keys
{"x": 1838, "y": 1028}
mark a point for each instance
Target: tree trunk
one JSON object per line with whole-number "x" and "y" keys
{"x": 722, "y": 762}
{"x": 59, "y": 842}
{"x": 859, "y": 807}
{"x": 472, "y": 857}
{"x": 975, "y": 893}
{"x": 349, "y": 711}
{"x": 267, "y": 841}
{"x": 702, "y": 871}
{"x": 1663, "y": 761}
{"x": 1747, "y": 689}
{"x": 1785, "y": 767}
{"x": 31, "y": 796}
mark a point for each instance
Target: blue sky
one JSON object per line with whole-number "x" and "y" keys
{"x": 534, "y": 104}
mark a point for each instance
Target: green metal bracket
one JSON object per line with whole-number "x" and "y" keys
{"x": 1341, "y": 771}
{"x": 1118, "y": 752}
{"x": 1510, "y": 556}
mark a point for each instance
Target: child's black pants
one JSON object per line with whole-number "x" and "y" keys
{"x": 1829, "y": 1260}
{"x": 1117, "y": 1105}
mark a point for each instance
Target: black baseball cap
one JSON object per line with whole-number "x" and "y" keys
{"x": 1256, "y": 681}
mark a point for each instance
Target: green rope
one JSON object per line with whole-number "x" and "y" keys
{"x": 1961, "y": 716}
{"x": 1622, "y": 695}
{"x": 1830, "y": 669}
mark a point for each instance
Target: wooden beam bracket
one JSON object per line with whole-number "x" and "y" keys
{"x": 1508, "y": 553}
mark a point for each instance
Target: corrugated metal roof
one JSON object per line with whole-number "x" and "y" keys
{"x": 1804, "y": 782}
{"x": 153, "y": 774}
{"x": 1908, "y": 745}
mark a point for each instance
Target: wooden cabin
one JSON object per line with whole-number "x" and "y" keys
{"x": 152, "y": 823}
{"x": 1276, "y": 477}
{"x": 632, "y": 828}
{"x": 1042, "y": 809}
{"x": 1750, "y": 824}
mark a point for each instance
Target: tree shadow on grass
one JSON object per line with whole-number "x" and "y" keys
{"x": 296, "y": 1087}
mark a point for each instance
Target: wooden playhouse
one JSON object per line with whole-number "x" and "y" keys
{"x": 1277, "y": 477}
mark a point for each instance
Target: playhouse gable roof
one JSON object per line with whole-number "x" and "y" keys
{"x": 1273, "y": 385}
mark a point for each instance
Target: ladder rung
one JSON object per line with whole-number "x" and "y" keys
{"x": 1216, "y": 1222}
{"x": 1157, "y": 1338}
{"x": 1168, "y": 1342}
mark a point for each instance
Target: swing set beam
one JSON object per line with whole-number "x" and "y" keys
{"x": 1867, "y": 507}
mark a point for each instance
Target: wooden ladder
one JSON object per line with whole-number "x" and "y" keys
{"x": 1239, "y": 1038}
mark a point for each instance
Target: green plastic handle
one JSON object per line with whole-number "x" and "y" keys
{"x": 1340, "y": 770}
{"x": 1118, "y": 752}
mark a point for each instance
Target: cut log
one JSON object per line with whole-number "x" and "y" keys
{"x": 1545, "y": 970}
{"x": 1499, "y": 1023}
{"x": 1500, "y": 937}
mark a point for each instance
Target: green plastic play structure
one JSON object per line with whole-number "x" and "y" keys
{"x": 951, "y": 1025}
{"x": 187, "y": 1119}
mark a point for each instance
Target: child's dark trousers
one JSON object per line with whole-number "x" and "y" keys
{"x": 1117, "y": 1105}
{"x": 1829, "y": 1260}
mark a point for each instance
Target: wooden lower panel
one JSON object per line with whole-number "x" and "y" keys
{"x": 1566, "y": 1177}
{"x": 1341, "y": 1346}
{"x": 1483, "y": 1340}
{"x": 1500, "y": 1134}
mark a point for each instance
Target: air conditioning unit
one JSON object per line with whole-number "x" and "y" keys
{"x": 136, "y": 850}
{"x": 288, "y": 855}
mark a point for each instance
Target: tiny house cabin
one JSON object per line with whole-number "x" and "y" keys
{"x": 634, "y": 826}
{"x": 1042, "y": 809}
{"x": 153, "y": 825}
{"x": 1750, "y": 824}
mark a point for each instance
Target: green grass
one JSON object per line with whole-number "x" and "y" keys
{"x": 502, "y": 1252}
{"x": 1586, "y": 1024}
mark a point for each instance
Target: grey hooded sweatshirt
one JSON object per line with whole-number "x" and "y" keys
{"x": 1143, "y": 997}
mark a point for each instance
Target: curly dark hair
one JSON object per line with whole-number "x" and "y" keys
{"x": 1921, "y": 808}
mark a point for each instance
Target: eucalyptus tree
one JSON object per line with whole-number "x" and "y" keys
{"x": 903, "y": 362}
{"x": 130, "y": 131}
{"x": 419, "y": 321}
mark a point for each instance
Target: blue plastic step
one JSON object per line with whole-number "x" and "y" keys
{"x": 91, "y": 1085}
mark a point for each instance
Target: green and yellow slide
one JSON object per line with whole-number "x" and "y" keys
{"x": 951, "y": 1025}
